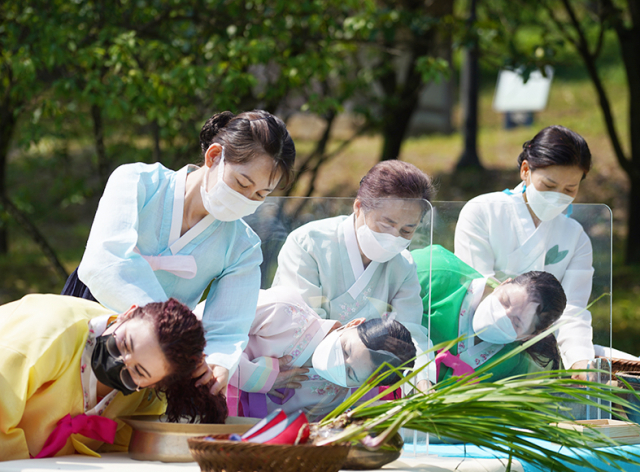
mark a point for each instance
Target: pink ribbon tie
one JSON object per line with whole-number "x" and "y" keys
{"x": 93, "y": 427}
{"x": 459, "y": 366}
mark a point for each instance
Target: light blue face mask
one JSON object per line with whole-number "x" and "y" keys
{"x": 491, "y": 323}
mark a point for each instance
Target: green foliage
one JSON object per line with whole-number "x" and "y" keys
{"x": 515, "y": 416}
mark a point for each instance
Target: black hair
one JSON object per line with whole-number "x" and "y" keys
{"x": 556, "y": 146}
{"x": 545, "y": 290}
{"x": 391, "y": 336}
{"x": 251, "y": 134}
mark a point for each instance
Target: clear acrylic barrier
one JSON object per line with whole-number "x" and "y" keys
{"x": 279, "y": 216}
{"x": 595, "y": 220}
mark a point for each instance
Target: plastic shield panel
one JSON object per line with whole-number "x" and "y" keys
{"x": 322, "y": 267}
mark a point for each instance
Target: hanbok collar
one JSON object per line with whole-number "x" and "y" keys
{"x": 531, "y": 238}
{"x": 177, "y": 242}
{"x": 526, "y": 220}
{"x": 361, "y": 275}
{"x": 91, "y": 406}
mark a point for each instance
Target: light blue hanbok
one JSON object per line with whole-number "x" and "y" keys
{"x": 135, "y": 255}
{"x": 322, "y": 261}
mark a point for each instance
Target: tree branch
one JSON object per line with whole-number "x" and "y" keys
{"x": 36, "y": 235}
{"x": 583, "y": 49}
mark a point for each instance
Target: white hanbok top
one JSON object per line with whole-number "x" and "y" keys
{"x": 495, "y": 235}
{"x": 322, "y": 261}
{"x": 136, "y": 255}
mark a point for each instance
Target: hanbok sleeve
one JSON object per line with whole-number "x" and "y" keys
{"x": 407, "y": 305}
{"x": 471, "y": 241}
{"x": 257, "y": 375}
{"x": 298, "y": 270}
{"x": 575, "y": 335}
{"x": 14, "y": 379}
{"x": 231, "y": 307}
{"x": 26, "y": 377}
{"x": 116, "y": 275}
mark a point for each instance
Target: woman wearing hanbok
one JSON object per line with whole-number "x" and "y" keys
{"x": 296, "y": 360}
{"x": 159, "y": 233}
{"x": 69, "y": 365}
{"x": 490, "y": 318}
{"x": 504, "y": 234}
{"x": 354, "y": 266}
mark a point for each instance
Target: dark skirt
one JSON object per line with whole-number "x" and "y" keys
{"x": 76, "y": 288}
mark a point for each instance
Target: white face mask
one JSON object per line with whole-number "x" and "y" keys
{"x": 222, "y": 202}
{"x": 546, "y": 205}
{"x": 380, "y": 247}
{"x": 328, "y": 359}
{"x": 491, "y": 323}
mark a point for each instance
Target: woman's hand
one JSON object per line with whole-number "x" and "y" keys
{"x": 289, "y": 378}
{"x": 424, "y": 386}
{"x": 580, "y": 375}
{"x": 214, "y": 376}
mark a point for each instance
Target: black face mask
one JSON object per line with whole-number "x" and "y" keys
{"x": 106, "y": 367}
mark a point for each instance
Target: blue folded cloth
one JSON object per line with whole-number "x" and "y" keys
{"x": 468, "y": 450}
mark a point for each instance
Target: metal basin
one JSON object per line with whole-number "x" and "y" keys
{"x": 156, "y": 440}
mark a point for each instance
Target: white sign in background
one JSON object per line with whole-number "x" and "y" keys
{"x": 514, "y": 95}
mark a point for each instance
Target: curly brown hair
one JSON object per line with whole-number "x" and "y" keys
{"x": 181, "y": 338}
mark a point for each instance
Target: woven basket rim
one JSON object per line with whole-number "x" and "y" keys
{"x": 616, "y": 362}
{"x": 201, "y": 440}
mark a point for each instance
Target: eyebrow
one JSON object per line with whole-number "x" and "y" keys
{"x": 138, "y": 366}
{"x": 268, "y": 189}
{"x": 389, "y": 220}
{"x": 556, "y": 183}
{"x": 344, "y": 353}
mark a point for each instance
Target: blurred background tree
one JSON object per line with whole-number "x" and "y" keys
{"x": 88, "y": 85}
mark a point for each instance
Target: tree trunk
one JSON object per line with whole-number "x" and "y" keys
{"x": 396, "y": 124}
{"x": 400, "y": 104}
{"x": 629, "y": 38}
{"x": 633, "y": 225}
{"x": 470, "y": 86}
{"x": 98, "y": 134}
{"x": 7, "y": 125}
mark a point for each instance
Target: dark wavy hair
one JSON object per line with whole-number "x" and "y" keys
{"x": 545, "y": 290}
{"x": 391, "y": 336}
{"x": 394, "y": 179}
{"x": 556, "y": 146}
{"x": 181, "y": 338}
{"x": 251, "y": 134}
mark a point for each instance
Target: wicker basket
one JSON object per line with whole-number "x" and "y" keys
{"x": 623, "y": 365}
{"x": 236, "y": 456}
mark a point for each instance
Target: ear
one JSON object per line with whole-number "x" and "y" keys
{"x": 212, "y": 154}
{"x": 127, "y": 314}
{"x": 525, "y": 170}
{"x": 357, "y": 206}
{"x": 356, "y": 322}
{"x": 509, "y": 280}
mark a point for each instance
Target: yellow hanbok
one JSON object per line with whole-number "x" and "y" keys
{"x": 42, "y": 339}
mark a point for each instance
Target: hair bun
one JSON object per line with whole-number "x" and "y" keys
{"x": 212, "y": 127}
